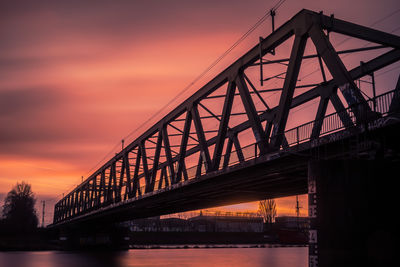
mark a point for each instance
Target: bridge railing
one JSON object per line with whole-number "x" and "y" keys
{"x": 333, "y": 123}
{"x": 302, "y": 133}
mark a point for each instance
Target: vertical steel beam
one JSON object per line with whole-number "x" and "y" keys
{"x": 162, "y": 174}
{"x": 81, "y": 199}
{"x": 154, "y": 169}
{"x": 74, "y": 201}
{"x": 145, "y": 168}
{"x": 184, "y": 171}
{"x": 395, "y": 105}
{"x": 113, "y": 177}
{"x": 227, "y": 153}
{"x": 268, "y": 129}
{"x": 108, "y": 192}
{"x": 136, "y": 182}
{"x": 69, "y": 206}
{"x": 102, "y": 187}
{"x": 289, "y": 85}
{"x": 97, "y": 192}
{"x": 199, "y": 166}
{"x": 128, "y": 186}
{"x": 167, "y": 149}
{"x": 93, "y": 193}
{"x": 121, "y": 180}
{"x": 86, "y": 201}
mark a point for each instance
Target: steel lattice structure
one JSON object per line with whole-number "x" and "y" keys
{"x": 182, "y": 147}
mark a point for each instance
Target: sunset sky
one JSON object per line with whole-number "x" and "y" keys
{"x": 77, "y": 77}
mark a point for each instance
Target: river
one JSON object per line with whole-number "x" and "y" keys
{"x": 243, "y": 257}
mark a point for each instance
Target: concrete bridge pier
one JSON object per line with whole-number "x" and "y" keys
{"x": 352, "y": 208}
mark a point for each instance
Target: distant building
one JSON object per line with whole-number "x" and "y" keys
{"x": 159, "y": 225}
{"x": 215, "y": 222}
{"x": 221, "y": 223}
{"x": 292, "y": 222}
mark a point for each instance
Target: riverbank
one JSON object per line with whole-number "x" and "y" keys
{"x": 204, "y": 246}
{"x": 288, "y": 237}
{"x": 43, "y": 240}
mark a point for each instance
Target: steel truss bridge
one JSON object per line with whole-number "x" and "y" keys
{"x": 234, "y": 140}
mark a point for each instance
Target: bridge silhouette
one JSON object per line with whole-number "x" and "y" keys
{"x": 236, "y": 141}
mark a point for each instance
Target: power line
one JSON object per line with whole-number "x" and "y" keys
{"x": 242, "y": 38}
{"x": 201, "y": 75}
{"x": 213, "y": 64}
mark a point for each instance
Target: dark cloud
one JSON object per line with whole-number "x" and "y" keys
{"x": 22, "y": 102}
{"x": 53, "y": 123}
{"x": 23, "y": 116}
{"x": 25, "y": 23}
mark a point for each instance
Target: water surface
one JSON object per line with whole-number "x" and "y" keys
{"x": 230, "y": 257}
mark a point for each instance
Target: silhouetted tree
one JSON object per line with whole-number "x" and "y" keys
{"x": 19, "y": 212}
{"x": 267, "y": 209}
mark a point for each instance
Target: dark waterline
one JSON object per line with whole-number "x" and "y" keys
{"x": 230, "y": 257}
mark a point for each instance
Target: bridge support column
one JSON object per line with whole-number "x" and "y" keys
{"x": 351, "y": 208}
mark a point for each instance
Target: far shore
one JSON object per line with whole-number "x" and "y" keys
{"x": 156, "y": 246}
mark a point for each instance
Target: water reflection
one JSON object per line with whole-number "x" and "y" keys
{"x": 276, "y": 257}
{"x": 61, "y": 259}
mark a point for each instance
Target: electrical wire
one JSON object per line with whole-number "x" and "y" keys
{"x": 201, "y": 75}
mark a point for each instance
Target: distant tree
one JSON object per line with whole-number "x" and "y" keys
{"x": 267, "y": 210}
{"x": 19, "y": 212}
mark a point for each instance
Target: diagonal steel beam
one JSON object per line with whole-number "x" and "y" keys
{"x": 319, "y": 117}
{"x": 252, "y": 114}
{"x": 183, "y": 147}
{"x": 238, "y": 147}
{"x": 223, "y": 126}
{"x": 256, "y": 91}
{"x": 289, "y": 85}
{"x": 341, "y": 110}
{"x": 204, "y": 153}
{"x": 339, "y": 73}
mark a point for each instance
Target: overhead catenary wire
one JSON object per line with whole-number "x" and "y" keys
{"x": 243, "y": 37}
{"x": 189, "y": 86}
{"x": 212, "y": 65}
